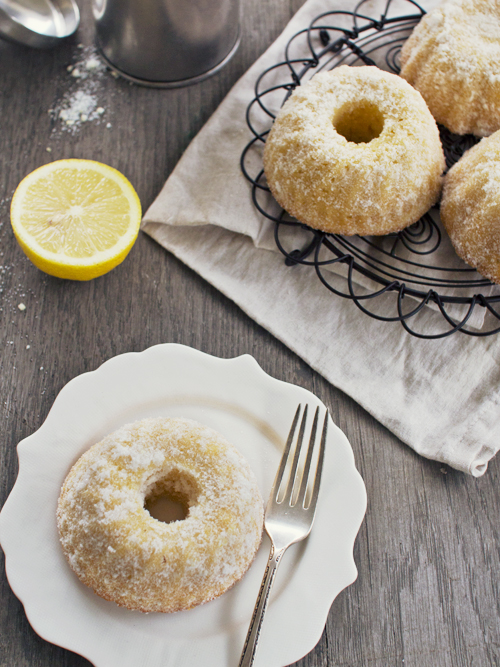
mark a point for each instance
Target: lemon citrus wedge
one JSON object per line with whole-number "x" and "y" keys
{"x": 75, "y": 219}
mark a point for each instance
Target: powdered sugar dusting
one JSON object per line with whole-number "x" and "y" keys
{"x": 82, "y": 103}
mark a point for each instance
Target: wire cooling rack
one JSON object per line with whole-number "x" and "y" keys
{"x": 412, "y": 277}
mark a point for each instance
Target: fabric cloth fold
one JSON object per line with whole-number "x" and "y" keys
{"x": 440, "y": 396}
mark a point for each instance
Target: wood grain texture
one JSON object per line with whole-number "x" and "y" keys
{"x": 428, "y": 551}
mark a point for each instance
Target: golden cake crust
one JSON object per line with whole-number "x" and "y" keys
{"x": 470, "y": 208}
{"x": 125, "y": 555}
{"x": 453, "y": 58}
{"x": 355, "y": 151}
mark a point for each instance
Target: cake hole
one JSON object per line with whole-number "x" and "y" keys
{"x": 359, "y": 123}
{"x": 163, "y": 508}
{"x": 170, "y": 498}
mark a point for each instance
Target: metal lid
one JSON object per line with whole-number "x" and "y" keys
{"x": 38, "y": 23}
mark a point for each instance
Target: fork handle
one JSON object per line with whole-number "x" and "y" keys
{"x": 253, "y": 635}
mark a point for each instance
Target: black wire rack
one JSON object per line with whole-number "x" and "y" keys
{"x": 412, "y": 277}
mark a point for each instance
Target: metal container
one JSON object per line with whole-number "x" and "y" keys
{"x": 38, "y": 23}
{"x": 167, "y": 43}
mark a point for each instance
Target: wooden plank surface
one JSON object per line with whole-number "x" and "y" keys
{"x": 428, "y": 551}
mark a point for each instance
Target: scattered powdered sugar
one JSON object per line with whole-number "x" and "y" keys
{"x": 81, "y": 103}
{"x": 82, "y": 107}
{"x": 85, "y": 67}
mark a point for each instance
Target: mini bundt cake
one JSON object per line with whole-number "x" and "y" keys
{"x": 453, "y": 58}
{"x": 117, "y": 548}
{"x": 470, "y": 208}
{"x": 355, "y": 151}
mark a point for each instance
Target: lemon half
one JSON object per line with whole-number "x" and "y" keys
{"x": 76, "y": 219}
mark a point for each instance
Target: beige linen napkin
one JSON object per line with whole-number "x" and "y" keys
{"x": 440, "y": 397}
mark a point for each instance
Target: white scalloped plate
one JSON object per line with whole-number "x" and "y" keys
{"x": 254, "y": 412}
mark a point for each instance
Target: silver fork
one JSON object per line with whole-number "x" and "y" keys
{"x": 289, "y": 515}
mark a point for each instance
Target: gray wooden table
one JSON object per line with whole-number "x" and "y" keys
{"x": 428, "y": 556}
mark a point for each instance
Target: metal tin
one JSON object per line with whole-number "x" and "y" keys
{"x": 167, "y": 43}
{"x": 38, "y": 23}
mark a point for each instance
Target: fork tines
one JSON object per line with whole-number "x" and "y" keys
{"x": 290, "y": 473}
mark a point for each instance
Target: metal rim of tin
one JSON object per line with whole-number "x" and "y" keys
{"x": 173, "y": 84}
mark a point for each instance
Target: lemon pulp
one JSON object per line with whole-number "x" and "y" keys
{"x": 76, "y": 219}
